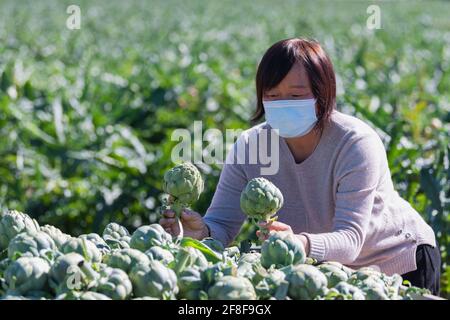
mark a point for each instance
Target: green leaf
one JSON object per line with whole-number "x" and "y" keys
{"x": 209, "y": 254}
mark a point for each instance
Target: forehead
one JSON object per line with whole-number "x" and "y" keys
{"x": 297, "y": 76}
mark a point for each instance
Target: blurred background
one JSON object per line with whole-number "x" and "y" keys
{"x": 86, "y": 115}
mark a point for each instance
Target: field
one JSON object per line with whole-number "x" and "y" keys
{"x": 86, "y": 115}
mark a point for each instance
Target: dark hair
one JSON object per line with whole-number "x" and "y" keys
{"x": 278, "y": 60}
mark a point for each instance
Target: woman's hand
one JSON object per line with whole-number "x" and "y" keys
{"x": 193, "y": 224}
{"x": 280, "y": 226}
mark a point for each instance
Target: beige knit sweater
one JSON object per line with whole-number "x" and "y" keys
{"x": 341, "y": 197}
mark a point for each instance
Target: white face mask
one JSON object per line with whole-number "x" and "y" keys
{"x": 293, "y": 118}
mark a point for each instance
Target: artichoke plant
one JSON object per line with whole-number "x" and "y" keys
{"x": 114, "y": 283}
{"x": 260, "y": 200}
{"x": 12, "y": 223}
{"x": 184, "y": 184}
{"x": 116, "y": 236}
{"x": 57, "y": 235}
{"x": 232, "y": 288}
{"x": 189, "y": 257}
{"x": 146, "y": 237}
{"x": 86, "y": 295}
{"x": 125, "y": 259}
{"x": 214, "y": 244}
{"x": 306, "y": 282}
{"x": 84, "y": 247}
{"x": 154, "y": 280}
{"x": 26, "y": 275}
{"x": 346, "y": 291}
{"x": 282, "y": 249}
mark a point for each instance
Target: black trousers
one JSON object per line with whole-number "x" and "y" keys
{"x": 428, "y": 272}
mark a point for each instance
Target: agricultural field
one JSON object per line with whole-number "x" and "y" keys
{"x": 86, "y": 116}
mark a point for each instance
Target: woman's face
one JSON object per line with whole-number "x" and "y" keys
{"x": 295, "y": 85}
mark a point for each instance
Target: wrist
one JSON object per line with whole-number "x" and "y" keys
{"x": 305, "y": 241}
{"x": 206, "y": 232}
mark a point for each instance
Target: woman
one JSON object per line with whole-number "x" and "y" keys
{"x": 333, "y": 173}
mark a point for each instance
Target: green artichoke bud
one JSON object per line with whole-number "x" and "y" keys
{"x": 160, "y": 254}
{"x": 348, "y": 291}
{"x": 154, "y": 280}
{"x": 26, "y": 274}
{"x": 71, "y": 272}
{"x": 146, "y": 237}
{"x": 306, "y": 282}
{"x": 87, "y": 295}
{"x": 349, "y": 272}
{"x": 57, "y": 235}
{"x": 190, "y": 284}
{"x": 125, "y": 259}
{"x": 261, "y": 199}
{"x": 333, "y": 273}
{"x": 364, "y": 273}
{"x": 273, "y": 285}
{"x": 32, "y": 244}
{"x": 184, "y": 184}
{"x": 232, "y": 253}
{"x": 250, "y": 257}
{"x": 232, "y": 288}
{"x": 114, "y": 283}
{"x": 189, "y": 257}
{"x": 98, "y": 241}
{"x": 116, "y": 236}
{"x": 211, "y": 274}
{"x": 282, "y": 249}
{"x": 83, "y": 247}
{"x": 12, "y": 223}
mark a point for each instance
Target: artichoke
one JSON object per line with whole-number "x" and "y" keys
{"x": 114, "y": 283}
{"x": 250, "y": 257}
{"x": 333, "y": 273}
{"x": 213, "y": 273}
{"x": 12, "y": 223}
{"x": 116, "y": 236}
{"x": 57, "y": 235}
{"x": 274, "y": 285}
{"x": 83, "y": 247}
{"x": 349, "y": 292}
{"x": 282, "y": 249}
{"x": 125, "y": 259}
{"x": 260, "y": 200}
{"x": 184, "y": 184}
{"x": 98, "y": 241}
{"x": 189, "y": 257}
{"x": 26, "y": 275}
{"x": 190, "y": 284}
{"x": 154, "y": 280}
{"x": 33, "y": 244}
{"x": 306, "y": 282}
{"x": 232, "y": 288}
{"x": 71, "y": 272}
{"x": 146, "y": 237}
{"x": 160, "y": 254}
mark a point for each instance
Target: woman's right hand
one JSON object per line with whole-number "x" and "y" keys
{"x": 193, "y": 224}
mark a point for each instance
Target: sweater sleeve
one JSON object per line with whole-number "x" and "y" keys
{"x": 224, "y": 216}
{"x": 357, "y": 174}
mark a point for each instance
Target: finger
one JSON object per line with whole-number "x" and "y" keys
{"x": 189, "y": 215}
{"x": 278, "y": 226}
{"x": 169, "y": 213}
{"x": 167, "y": 222}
